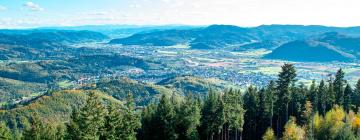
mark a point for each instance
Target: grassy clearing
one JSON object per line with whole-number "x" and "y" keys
{"x": 64, "y": 84}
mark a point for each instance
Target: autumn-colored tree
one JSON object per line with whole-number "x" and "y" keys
{"x": 269, "y": 134}
{"x": 332, "y": 124}
{"x": 318, "y": 122}
{"x": 356, "y": 125}
{"x": 293, "y": 131}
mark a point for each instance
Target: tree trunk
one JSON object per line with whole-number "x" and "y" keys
{"x": 236, "y": 131}
{"x": 287, "y": 112}
{"x": 277, "y": 125}
{"x": 225, "y": 133}
{"x": 228, "y": 133}
{"x": 240, "y": 135}
{"x": 220, "y": 135}
{"x": 271, "y": 115}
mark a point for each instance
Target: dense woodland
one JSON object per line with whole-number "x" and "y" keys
{"x": 284, "y": 109}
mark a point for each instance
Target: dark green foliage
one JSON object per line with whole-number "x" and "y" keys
{"x": 339, "y": 84}
{"x": 330, "y": 94}
{"x": 121, "y": 123}
{"x": 270, "y": 99}
{"x": 88, "y": 123}
{"x": 298, "y": 102}
{"x": 130, "y": 120}
{"x": 213, "y": 118}
{"x": 348, "y": 92}
{"x": 356, "y": 95}
{"x": 147, "y": 122}
{"x": 251, "y": 104}
{"x": 314, "y": 96}
{"x": 234, "y": 114}
{"x": 322, "y": 94}
{"x": 188, "y": 119}
{"x": 165, "y": 118}
{"x": 113, "y": 123}
{"x": 286, "y": 79}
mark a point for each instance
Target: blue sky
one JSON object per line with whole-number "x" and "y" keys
{"x": 35, "y": 13}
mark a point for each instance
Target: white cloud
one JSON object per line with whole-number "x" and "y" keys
{"x": 165, "y": 1}
{"x": 100, "y": 13}
{"x": 32, "y": 6}
{"x": 2, "y": 8}
{"x": 135, "y": 5}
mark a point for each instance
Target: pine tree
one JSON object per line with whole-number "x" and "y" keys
{"x": 286, "y": 79}
{"x": 147, "y": 123}
{"x": 113, "y": 123}
{"x": 314, "y": 96}
{"x": 5, "y": 132}
{"x": 188, "y": 119}
{"x": 298, "y": 101}
{"x": 339, "y": 84}
{"x": 356, "y": 96}
{"x": 213, "y": 118}
{"x": 270, "y": 100}
{"x": 234, "y": 114}
{"x": 263, "y": 118}
{"x": 322, "y": 98}
{"x": 251, "y": 104}
{"x": 348, "y": 93}
{"x": 89, "y": 122}
{"x": 130, "y": 121}
{"x": 164, "y": 127}
{"x": 219, "y": 120}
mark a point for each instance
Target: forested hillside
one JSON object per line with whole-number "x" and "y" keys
{"x": 283, "y": 109}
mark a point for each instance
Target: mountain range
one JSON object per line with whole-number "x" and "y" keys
{"x": 288, "y": 42}
{"x": 330, "y": 46}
